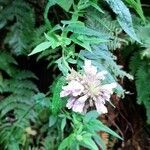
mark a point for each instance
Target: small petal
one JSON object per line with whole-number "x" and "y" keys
{"x": 108, "y": 88}
{"x": 101, "y": 108}
{"x": 101, "y": 75}
{"x": 105, "y": 96}
{"x": 76, "y": 92}
{"x": 64, "y": 93}
{"x": 74, "y": 88}
{"x": 82, "y": 99}
{"x": 78, "y": 107}
{"x": 87, "y": 62}
{"x": 89, "y": 69}
{"x": 70, "y": 102}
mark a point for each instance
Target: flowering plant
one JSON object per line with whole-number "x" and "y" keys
{"x": 86, "y": 90}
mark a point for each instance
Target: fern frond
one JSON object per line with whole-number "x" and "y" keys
{"x": 105, "y": 24}
{"x": 140, "y": 68}
{"x": 142, "y": 78}
{"x": 51, "y": 55}
{"x": 17, "y": 103}
{"x": 7, "y": 62}
{"x": 24, "y": 74}
{"x": 135, "y": 63}
{"x": 21, "y": 31}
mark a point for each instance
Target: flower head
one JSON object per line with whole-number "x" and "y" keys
{"x": 86, "y": 90}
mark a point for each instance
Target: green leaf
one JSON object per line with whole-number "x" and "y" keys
{"x": 53, "y": 39}
{"x": 99, "y": 141}
{"x": 96, "y": 6}
{"x": 63, "y": 124}
{"x": 91, "y": 40}
{"x": 83, "y": 44}
{"x": 91, "y": 115}
{"x": 81, "y": 29}
{"x": 138, "y": 8}
{"x": 49, "y": 4}
{"x": 41, "y": 47}
{"x": 67, "y": 142}
{"x": 62, "y": 65}
{"x": 57, "y": 102}
{"x": 108, "y": 130}
{"x": 88, "y": 142}
{"x": 123, "y": 17}
{"x": 65, "y": 4}
{"x": 52, "y": 120}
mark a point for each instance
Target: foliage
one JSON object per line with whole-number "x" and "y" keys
{"x": 84, "y": 133}
{"x": 139, "y": 66}
{"x": 78, "y": 30}
{"x": 22, "y": 21}
{"x": 136, "y": 4}
{"x": 16, "y": 109}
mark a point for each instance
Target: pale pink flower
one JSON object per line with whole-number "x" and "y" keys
{"x": 73, "y": 88}
{"x": 86, "y": 90}
{"x": 100, "y": 107}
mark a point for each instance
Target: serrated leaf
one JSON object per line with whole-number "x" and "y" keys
{"x": 81, "y": 29}
{"x": 123, "y": 17}
{"x": 92, "y": 40}
{"x": 41, "y": 47}
{"x": 53, "y": 39}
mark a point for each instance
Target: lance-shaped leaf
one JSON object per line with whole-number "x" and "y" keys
{"x": 123, "y": 16}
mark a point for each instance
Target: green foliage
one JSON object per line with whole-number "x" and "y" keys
{"x": 108, "y": 26}
{"x": 139, "y": 66}
{"x": 136, "y": 4}
{"x": 6, "y": 63}
{"x": 22, "y": 17}
{"x": 16, "y": 109}
{"x": 100, "y": 55}
{"x": 57, "y": 102}
{"x": 33, "y": 120}
{"x": 65, "y": 42}
{"x": 84, "y": 133}
{"x": 65, "y": 4}
{"x": 123, "y": 16}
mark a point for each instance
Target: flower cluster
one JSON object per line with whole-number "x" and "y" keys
{"x": 86, "y": 90}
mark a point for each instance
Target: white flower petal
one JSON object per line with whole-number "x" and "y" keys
{"x": 82, "y": 99}
{"x": 76, "y": 88}
{"x": 73, "y": 88}
{"x": 64, "y": 93}
{"x": 101, "y": 75}
{"x": 100, "y": 107}
{"x": 87, "y": 62}
{"x": 108, "y": 87}
{"x": 78, "y": 107}
{"x": 70, "y": 103}
{"x": 89, "y": 69}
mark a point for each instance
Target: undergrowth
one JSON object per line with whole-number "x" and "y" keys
{"x": 89, "y": 31}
